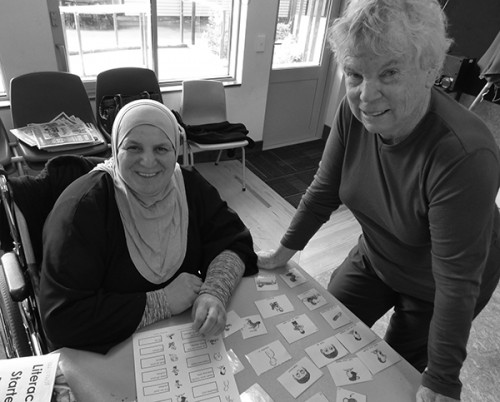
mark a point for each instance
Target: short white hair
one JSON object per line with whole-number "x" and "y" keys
{"x": 389, "y": 27}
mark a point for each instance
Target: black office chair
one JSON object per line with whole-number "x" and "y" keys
{"x": 204, "y": 115}
{"x": 118, "y": 86}
{"x": 38, "y": 98}
{"x": 21, "y": 225}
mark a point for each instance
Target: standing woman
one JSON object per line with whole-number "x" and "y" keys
{"x": 139, "y": 239}
{"x": 420, "y": 173}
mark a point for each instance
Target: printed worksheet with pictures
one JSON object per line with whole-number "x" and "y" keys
{"x": 177, "y": 363}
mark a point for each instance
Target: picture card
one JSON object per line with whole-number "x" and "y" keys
{"x": 266, "y": 282}
{"x": 326, "y": 351}
{"x": 344, "y": 395}
{"x": 253, "y": 325}
{"x": 268, "y": 357}
{"x": 255, "y": 394}
{"x": 293, "y": 277}
{"x": 350, "y": 370}
{"x": 312, "y": 299}
{"x": 336, "y": 317}
{"x": 297, "y": 328}
{"x": 233, "y": 323}
{"x": 378, "y": 357}
{"x": 356, "y": 337}
{"x": 300, "y": 376}
{"x": 319, "y": 397}
{"x": 274, "y": 306}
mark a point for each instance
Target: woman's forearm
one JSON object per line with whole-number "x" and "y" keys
{"x": 223, "y": 275}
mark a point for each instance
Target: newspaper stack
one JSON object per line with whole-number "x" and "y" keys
{"x": 61, "y": 133}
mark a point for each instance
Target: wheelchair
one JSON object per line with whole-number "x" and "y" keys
{"x": 26, "y": 203}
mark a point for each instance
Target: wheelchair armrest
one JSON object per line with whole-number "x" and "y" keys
{"x": 14, "y": 275}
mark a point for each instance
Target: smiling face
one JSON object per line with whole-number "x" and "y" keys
{"x": 301, "y": 375}
{"x": 388, "y": 94}
{"x": 146, "y": 160}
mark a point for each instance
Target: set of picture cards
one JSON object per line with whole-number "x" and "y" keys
{"x": 349, "y": 355}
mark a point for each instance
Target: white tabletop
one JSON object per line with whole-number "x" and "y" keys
{"x": 110, "y": 377}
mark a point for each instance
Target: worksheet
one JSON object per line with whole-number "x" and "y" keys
{"x": 178, "y": 364}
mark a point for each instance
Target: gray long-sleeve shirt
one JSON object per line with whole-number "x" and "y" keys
{"x": 427, "y": 210}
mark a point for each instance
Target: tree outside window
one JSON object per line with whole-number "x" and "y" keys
{"x": 178, "y": 39}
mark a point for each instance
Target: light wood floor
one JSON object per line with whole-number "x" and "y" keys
{"x": 267, "y": 215}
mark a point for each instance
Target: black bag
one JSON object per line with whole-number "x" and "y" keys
{"x": 110, "y": 105}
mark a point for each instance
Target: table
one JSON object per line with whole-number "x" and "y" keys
{"x": 110, "y": 377}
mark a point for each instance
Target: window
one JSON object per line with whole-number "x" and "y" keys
{"x": 300, "y": 33}
{"x": 179, "y": 39}
{"x": 2, "y": 84}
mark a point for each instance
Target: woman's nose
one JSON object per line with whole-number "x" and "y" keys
{"x": 148, "y": 158}
{"x": 369, "y": 91}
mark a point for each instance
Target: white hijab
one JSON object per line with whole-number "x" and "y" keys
{"x": 156, "y": 225}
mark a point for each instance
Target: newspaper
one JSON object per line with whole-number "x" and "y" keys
{"x": 62, "y": 132}
{"x": 28, "y": 378}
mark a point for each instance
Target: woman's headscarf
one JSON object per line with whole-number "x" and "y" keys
{"x": 156, "y": 225}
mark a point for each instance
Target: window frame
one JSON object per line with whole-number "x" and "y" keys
{"x": 235, "y": 56}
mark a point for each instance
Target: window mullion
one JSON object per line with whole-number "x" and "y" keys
{"x": 154, "y": 34}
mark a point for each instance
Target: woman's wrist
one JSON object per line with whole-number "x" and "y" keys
{"x": 282, "y": 255}
{"x": 157, "y": 308}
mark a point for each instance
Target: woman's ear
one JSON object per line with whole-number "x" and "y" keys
{"x": 432, "y": 76}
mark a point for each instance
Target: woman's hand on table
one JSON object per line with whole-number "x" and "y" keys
{"x": 272, "y": 259}
{"x": 209, "y": 315}
{"x": 182, "y": 292}
{"x": 425, "y": 394}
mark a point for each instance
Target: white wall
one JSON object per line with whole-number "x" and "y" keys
{"x": 26, "y": 45}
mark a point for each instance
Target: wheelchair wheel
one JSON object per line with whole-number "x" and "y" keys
{"x": 14, "y": 337}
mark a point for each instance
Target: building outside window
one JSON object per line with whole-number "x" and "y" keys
{"x": 179, "y": 39}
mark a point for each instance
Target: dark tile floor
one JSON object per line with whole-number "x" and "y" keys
{"x": 287, "y": 170}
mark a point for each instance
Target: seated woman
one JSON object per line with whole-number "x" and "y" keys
{"x": 139, "y": 239}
